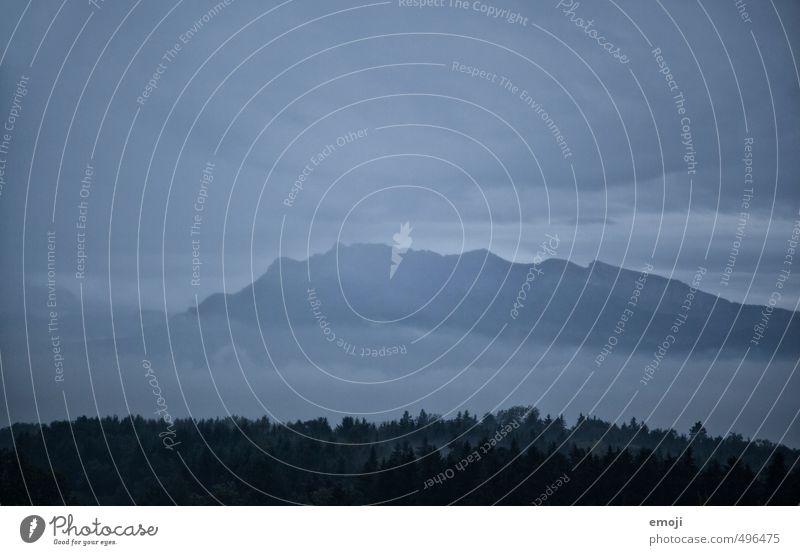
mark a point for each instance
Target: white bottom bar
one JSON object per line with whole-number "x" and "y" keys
{"x": 403, "y": 530}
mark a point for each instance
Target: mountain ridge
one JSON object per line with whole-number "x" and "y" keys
{"x": 590, "y": 266}
{"x": 480, "y": 290}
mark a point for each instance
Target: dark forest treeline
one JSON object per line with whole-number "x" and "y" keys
{"x": 512, "y": 457}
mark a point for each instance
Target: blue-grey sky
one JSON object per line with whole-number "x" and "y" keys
{"x": 258, "y": 89}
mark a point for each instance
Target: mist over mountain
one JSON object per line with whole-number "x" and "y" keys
{"x": 338, "y": 334}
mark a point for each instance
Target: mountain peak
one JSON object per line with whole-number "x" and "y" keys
{"x": 479, "y": 290}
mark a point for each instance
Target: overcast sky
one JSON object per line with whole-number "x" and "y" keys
{"x": 259, "y": 90}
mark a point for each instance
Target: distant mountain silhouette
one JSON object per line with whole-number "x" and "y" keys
{"x": 477, "y": 290}
{"x": 457, "y": 322}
